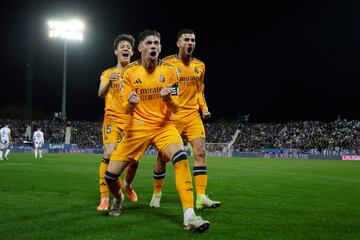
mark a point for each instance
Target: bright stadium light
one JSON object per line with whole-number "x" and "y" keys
{"x": 68, "y": 30}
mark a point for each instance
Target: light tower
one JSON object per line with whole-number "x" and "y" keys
{"x": 68, "y": 30}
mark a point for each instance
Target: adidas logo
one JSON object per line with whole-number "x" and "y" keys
{"x": 137, "y": 81}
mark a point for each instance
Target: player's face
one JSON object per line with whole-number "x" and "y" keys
{"x": 124, "y": 51}
{"x": 150, "y": 48}
{"x": 186, "y": 43}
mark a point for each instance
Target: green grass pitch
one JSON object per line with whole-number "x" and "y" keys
{"x": 55, "y": 198}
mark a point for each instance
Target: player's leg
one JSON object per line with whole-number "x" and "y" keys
{"x": 130, "y": 172}
{"x": 7, "y": 152}
{"x": 185, "y": 188}
{"x": 40, "y": 151}
{"x": 200, "y": 175}
{"x": 113, "y": 171}
{"x": 35, "y": 151}
{"x": 195, "y": 133}
{"x": 111, "y": 134}
{"x": 159, "y": 178}
{"x": 169, "y": 142}
{"x": 104, "y": 190}
{"x": 129, "y": 150}
{"x": 1, "y": 152}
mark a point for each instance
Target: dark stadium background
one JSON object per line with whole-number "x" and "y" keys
{"x": 275, "y": 60}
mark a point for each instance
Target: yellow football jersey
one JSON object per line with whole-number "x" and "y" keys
{"x": 151, "y": 110}
{"x": 113, "y": 105}
{"x": 191, "y": 85}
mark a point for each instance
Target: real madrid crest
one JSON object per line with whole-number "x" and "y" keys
{"x": 162, "y": 78}
{"x": 196, "y": 69}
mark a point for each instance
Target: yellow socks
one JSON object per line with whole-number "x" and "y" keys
{"x": 104, "y": 189}
{"x": 183, "y": 180}
{"x": 159, "y": 179}
{"x": 201, "y": 179}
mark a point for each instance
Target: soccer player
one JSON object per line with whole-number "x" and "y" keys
{"x": 38, "y": 140}
{"x": 5, "y": 135}
{"x": 188, "y": 120}
{"x": 115, "y": 117}
{"x": 150, "y": 95}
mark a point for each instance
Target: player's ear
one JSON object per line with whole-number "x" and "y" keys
{"x": 178, "y": 43}
{"x": 159, "y": 48}
{"x": 139, "y": 48}
{"x": 115, "y": 52}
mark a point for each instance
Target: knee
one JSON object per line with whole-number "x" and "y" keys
{"x": 111, "y": 178}
{"x": 199, "y": 151}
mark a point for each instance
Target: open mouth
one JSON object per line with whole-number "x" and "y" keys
{"x": 189, "y": 49}
{"x": 125, "y": 55}
{"x": 153, "y": 53}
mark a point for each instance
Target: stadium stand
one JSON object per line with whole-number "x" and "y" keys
{"x": 314, "y": 137}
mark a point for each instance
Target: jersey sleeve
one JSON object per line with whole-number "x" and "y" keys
{"x": 104, "y": 78}
{"x": 201, "y": 88}
{"x": 125, "y": 89}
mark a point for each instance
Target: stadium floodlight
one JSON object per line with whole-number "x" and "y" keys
{"x": 67, "y": 30}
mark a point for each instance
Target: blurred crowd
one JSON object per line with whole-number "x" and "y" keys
{"x": 86, "y": 134}
{"x": 309, "y": 136}
{"x": 54, "y": 130}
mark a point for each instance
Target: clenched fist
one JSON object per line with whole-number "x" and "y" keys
{"x": 133, "y": 98}
{"x": 165, "y": 92}
{"x": 114, "y": 76}
{"x": 206, "y": 114}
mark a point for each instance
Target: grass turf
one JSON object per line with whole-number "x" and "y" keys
{"x": 55, "y": 198}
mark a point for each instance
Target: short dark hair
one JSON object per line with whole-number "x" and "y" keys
{"x": 124, "y": 37}
{"x": 146, "y": 33}
{"x": 184, "y": 31}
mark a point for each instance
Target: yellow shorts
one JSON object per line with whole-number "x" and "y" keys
{"x": 137, "y": 138}
{"x": 112, "y": 130}
{"x": 191, "y": 128}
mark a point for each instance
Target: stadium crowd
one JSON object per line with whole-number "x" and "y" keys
{"x": 310, "y": 136}
{"x": 86, "y": 134}
{"x": 21, "y": 133}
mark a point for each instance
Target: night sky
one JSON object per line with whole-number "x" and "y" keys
{"x": 275, "y": 60}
